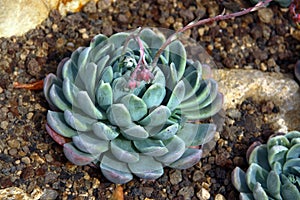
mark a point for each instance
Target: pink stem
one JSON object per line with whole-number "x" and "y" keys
{"x": 141, "y": 60}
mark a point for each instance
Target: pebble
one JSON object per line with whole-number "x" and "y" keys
{"x": 219, "y": 197}
{"x": 186, "y": 192}
{"x": 265, "y": 15}
{"x": 25, "y": 160}
{"x": 4, "y": 125}
{"x": 13, "y": 144}
{"x": 175, "y": 177}
{"x": 203, "y": 194}
{"x": 49, "y": 194}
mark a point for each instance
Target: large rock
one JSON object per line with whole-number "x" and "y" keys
{"x": 19, "y": 16}
{"x": 282, "y": 90}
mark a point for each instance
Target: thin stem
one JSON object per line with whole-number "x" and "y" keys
{"x": 174, "y": 36}
{"x": 141, "y": 59}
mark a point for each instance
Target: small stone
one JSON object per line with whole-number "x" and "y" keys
{"x": 203, "y": 194}
{"x": 49, "y": 194}
{"x": 234, "y": 113}
{"x": 4, "y": 125}
{"x": 49, "y": 158}
{"x": 13, "y": 152}
{"x": 14, "y": 193}
{"x": 25, "y": 160}
{"x": 175, "y": 177}
{"x": 186, "y": 192}
{"x": 1, "y": 90}
{"x": 265, "y": 15}
{"x": 13, "y": 144}
{"x": 219, "y": 197}
{"x": 197, "y": 175}
{"x": 29, "y": 115}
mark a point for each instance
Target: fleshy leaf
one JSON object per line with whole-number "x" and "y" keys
{"x": 289, "y": 191}
{"x": 166, "y": 133}
{"x": 294, "y": 152}
{"x": 188, "y": 159}
{"x": 135, "y": 105}
{"x": 107, "y": 75}
{"x": 104, "y": 95}
{"x": 254, "y": 174}
{"x": 154, "y": 95}
{"x": 78, "y": 121}
{"x": 147, "y": 168}
{"x": 134, "y": 132}
{"x": 57, "y": 122}
{"x": 69, "y": 70}
{"x": 124, "y": 151}
{"x": 119, "y": 115}
{"x": 61, "y": 140}
{"x": 57, "y": 98}
{"x": 178, "y": 57}
{"x": 90, "y": 144}
{"x": 70, "y": 90}
{"x": 277, "y": 154}
{"x": 151, "y": 147}
{"x": 158, "y": 116}
{"x": 238, "y": 179}
{"x": 114, "y": 170}
{"x": 259, "y": 193}
{"x": 48, "y": 82}
{"x": 104, "y": 132}
{"x": 176, "y": 147}
{"x": 278, "y": 140}
{"x": 291, "y": 164}
{"x": 273, "y": 184}
{"x": 75, "y": 156}
{"x": 259, "y": 155}
{"x": 89, "y": 79}
{"x": 176, "y": 96}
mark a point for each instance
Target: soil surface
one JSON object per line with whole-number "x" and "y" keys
{"x": 29, "y": 158}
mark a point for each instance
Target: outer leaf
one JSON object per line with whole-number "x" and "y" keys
{"x": 291, "y": 164}
{"x": 188, "y": 159}
{"x": 107, "y": 75}
{"x": 151, "y": 147}
{"x": 98, "y": 39}
{"x": 57, "y": 98}
{"x": 89, "y": 79}
{"x": 289, "y": 191}
{"x": 256, "y": 174}
{"x": 157, "y": 117}
{"x": 246, "y": 196}
{"x": 104, "y": 132}
{"x": 123, "y": 150}
{"x": 176, "y": 96}
{"x": 101, "y": 64}
{"x": 176, "y": 148}
{"x": 166, "y": 133}
{"x": 153, "y": 40}
{"x": 114, "y": 170}
{"x": 70, "y": 90}
{"x": 83, "y": 57}
{"x": 278, "y": 140}
{"x": 273, "y": 184}
{"x": 259, "y": 193}
{"x": 135, "y": 105}
{"x": 178, "y": 57}
{"x": 119, "y": 115}
{"x": 277, "y": 154}
{"x": 70, "y": 70}
{"x": 57, "y": 122}
{"x": 260, "y": 156}
{"x": 78, "y": 121}
{"x": 147, "y": 168}
{"x": 90, "y": 144}
{"x": 294, "y": 152}
{"x": 134, "y": 132}
{"x": 48, "y": 82}
{"x": 154, "y": 95}
{"x": 75, "y": 156}
{"x": 238, "y": 179}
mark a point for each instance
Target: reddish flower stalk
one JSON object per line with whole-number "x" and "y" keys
{"x": 175, "y": 35}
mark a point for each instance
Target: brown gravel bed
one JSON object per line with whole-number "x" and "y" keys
{"x": 29, "y": 158}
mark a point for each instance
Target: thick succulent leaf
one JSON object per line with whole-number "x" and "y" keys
{"x": 104, "y": 95}
{"x": 147, "y": 168}
{"x": 114, "y": 170}
{"x": 259, "y": 155}
{"x": 59, "y": 139}
{"x": 107, "y": 74}
{"x": 102, "y": 50}
{"x": 206, "y": 112}
{"x": 188, "y": 159}
{"x": 57, "y": 122}
{"x": 246, "y": 196}
{"x": 151, "y": 147}
{"x": 166, "y": 133}
{"x": 78, "y": 121}
{"x": 278, "y": 140}
{"x": 76, "y": 156}
{"x": 259, "y": 193}
{"x": 48, "y": 82}
{"x": 212, "y": 95}
{"x": 201, "y": 95}
{"x": 124, "y": 150}
{"x": 75, "y": 56}
{"x": 135, "y": 105}
{"x": 196, "y": 134}
{"x": 294, "y": 152}
{"x": 119, "y": 115}
{"x": 158, "y": 116}
{"x": 178, "y": 57}
{"x": 134, "y": 132}
{"x": 104, "y": 131}
{"x": 98, "y": 39}
{"x": 291, "y": 166}
{"x": 118, "y": 86}
{"x": 159, "y": 77}
{"x": 69, "y": 70}
{"x": 254, "y": 174}
{"x": 238, "y": 179}
{"x": 277, "y": 154}
{"x": 57, "y": 97}
{"x": 172, "y": 77}
{"x": 101, "y": 64}
{"x": 289, "y": 191}
{"x": 292, "y": 135}
{"x": 60, "y": 68}
{"x": 154, "y": 95}
{"x": 277, "y": 167}
{"x": 90, "y": 144}
{"x": 70, "y": 90}
{"x": 83, "y": 57}
{"x": 192, "y": 82}
{"x": 176, "y": 147}
{"x": 118, "y": 39}
{"x": 176, "y": 96}
{"x": 273, "y": 184}
{"x": 89, "y": 79}
{"x": 84, "y": 103}
{"x": 152, "y": 39}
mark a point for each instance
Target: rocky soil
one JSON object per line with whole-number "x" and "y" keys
{"x": 30, "y": 160}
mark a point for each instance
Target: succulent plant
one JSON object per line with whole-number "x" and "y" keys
{"x": 282, "y": 3}
{"x": 274, "y": 171}
{"x": 113, "y": 107}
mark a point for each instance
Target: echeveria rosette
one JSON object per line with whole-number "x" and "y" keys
{"x": 274, "y": 171}
{"x": 100, "y": 120}
{"x": 282, "y": 3}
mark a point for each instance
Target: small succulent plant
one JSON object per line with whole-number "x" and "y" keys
{"x": 114, "y": 108}
{"x": 274, "y": 171}
{"x": 282, "y": 3}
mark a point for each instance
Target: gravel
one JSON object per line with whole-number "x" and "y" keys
{"x": 29, "y": 158}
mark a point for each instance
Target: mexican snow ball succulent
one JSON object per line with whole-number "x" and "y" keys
{"x": 274, "y": 171}
{"x": 113, "y": 106}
